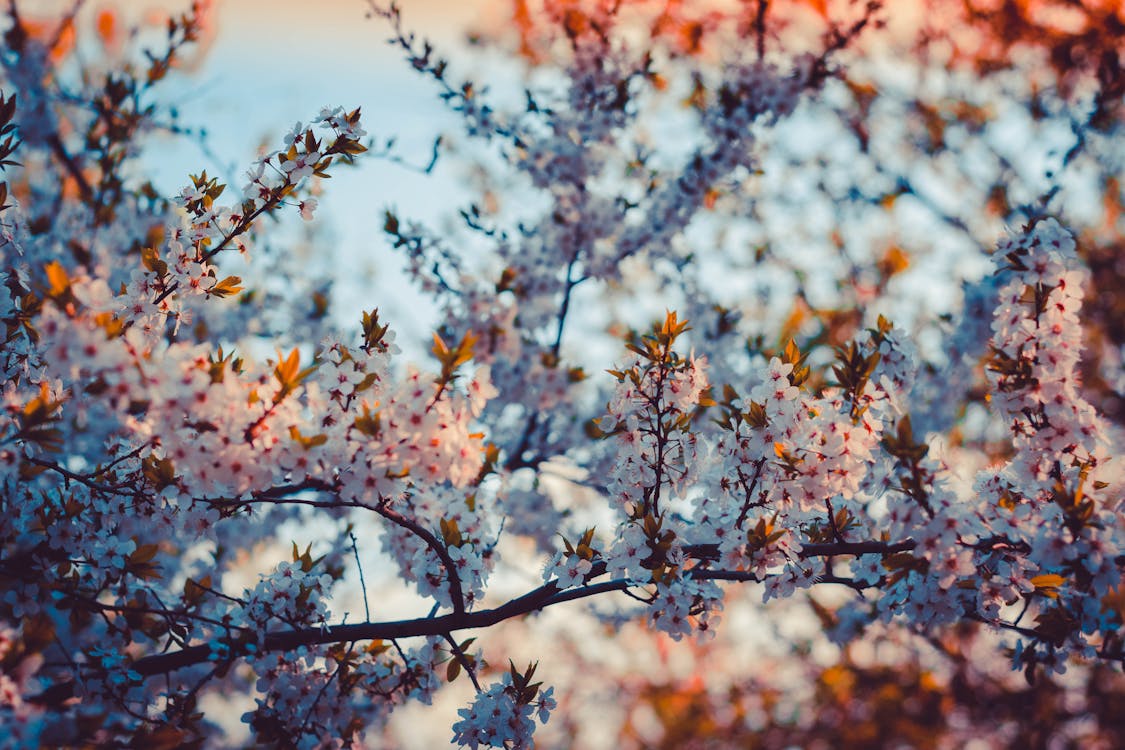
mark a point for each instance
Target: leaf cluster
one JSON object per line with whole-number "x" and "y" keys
{"x": 10, "y": 143}
{"x": 853, "y": 372}
{"x": 584, "y": 547}
{"x": 289, "y": 373}
{"x": 452, "y": 358}
{"x": 522, "y": 688}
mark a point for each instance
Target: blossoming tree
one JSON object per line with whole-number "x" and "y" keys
{"x": 943, "y": 470}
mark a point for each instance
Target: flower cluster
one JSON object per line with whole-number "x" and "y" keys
{"x": 1055, "y": 497}
{"x": 293, "y": 593}
{"x": 462, "y": 546}
{"x": 502, "y": 715}
{"x": 323, "y": 697}
{"x": 650, "y": 419}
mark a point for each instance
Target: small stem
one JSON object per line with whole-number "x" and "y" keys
{"x": 459, "y": 655}
{"x": 362, "y": 582}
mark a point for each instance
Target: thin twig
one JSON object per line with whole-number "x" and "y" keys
{"x": 362, "y": 582}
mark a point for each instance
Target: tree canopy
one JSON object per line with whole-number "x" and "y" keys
{"x": 817, "y": 304}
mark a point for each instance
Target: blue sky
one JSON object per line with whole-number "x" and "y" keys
{"x": 270, "y": 64}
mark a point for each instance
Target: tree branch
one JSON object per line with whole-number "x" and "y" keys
{"x": 455, "y": 592}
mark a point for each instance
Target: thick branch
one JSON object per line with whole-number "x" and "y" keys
{"x": 537, "y": 599}
{"x": 533, "y": 601}
{"x": 711, "y": 551}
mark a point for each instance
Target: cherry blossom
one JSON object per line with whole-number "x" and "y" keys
{"x": 200, "y": 477}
